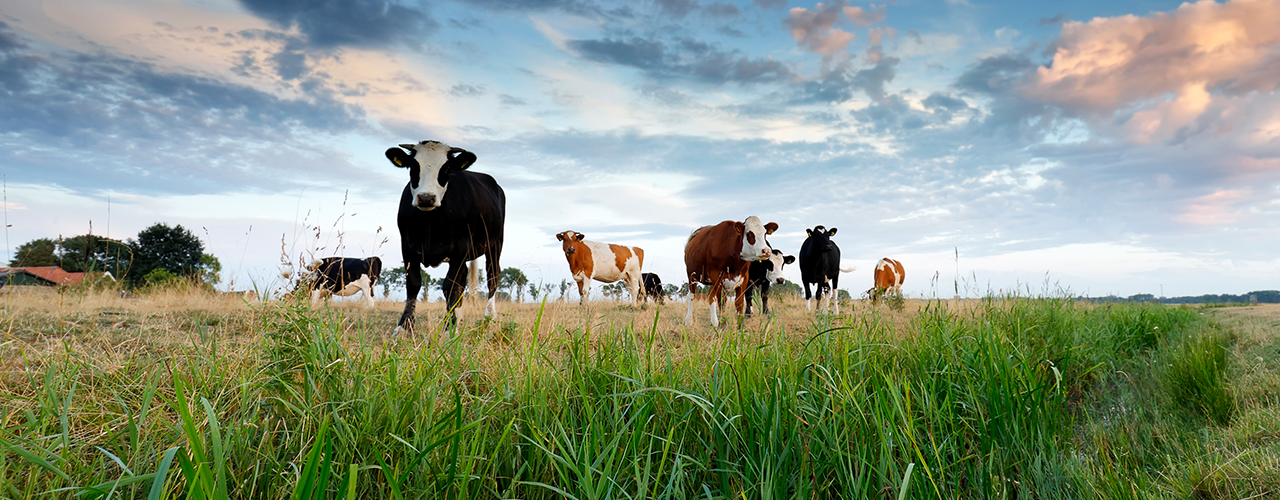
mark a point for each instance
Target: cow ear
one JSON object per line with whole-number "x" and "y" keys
{"x": 808, "y": 232}
{"x": 560, "y": 237}
{"x": 460, "y": 158}
{"x": 581, "y": 236}
{"x": 770, "y": 227}
{"x": 832, "y": 232}
{"x": 788, "y": 259}
{"x": 399, "y": 158}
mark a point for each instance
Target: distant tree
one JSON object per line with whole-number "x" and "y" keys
{"x": 547, "y": 289}
{"x": 786, "y": 288}
{"x": 564, "y": 288}
{"x": 35, "y": 253}
{"x": 391, "y": 277}
{"x": 614, "y": 290}
{"x": 210, "y": 270}
{"x": 514, "y": 280}
{"x": 670, "y": 290}
{"x": 173, "y": 249}
{"x": 92, "y": 253}
{"x": 534, "y": 290}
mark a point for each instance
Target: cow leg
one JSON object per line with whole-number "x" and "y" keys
{"x": 693, "y": 296}
{"x": 835, "y": 292}
{"x": 316, "y": 296}
{"x": 492, "y": 272}
{"x": 807, "y": 295}
{"x": 740, "y": 297}
{"x": 634, "y": 284}
{"x": 455, "y": 282}
{"x": 584, "y": 288}
{"x": 412, "y": 284}
{"x": 715, "y": 294}
{"x": 764, "y": 298}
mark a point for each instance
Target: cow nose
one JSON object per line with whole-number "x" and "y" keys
{"x": 570, "y": 250}
{"x": 426, "y": 200}
{"x": 778, "y": 281}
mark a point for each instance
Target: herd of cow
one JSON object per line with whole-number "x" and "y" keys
{"x": 449, "y": 214}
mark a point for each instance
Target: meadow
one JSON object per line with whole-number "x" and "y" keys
{"x": 180, "y": 394}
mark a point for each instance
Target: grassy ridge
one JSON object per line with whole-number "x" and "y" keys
{"x": 1026, "y": 398}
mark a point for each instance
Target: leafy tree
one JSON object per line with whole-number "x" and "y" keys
{"x": 669, "y": 290}
{"x": 534, "y": 290}
{"x": 396, "y": 277}
{"x": 564, "y": 288}
{"x": 513, "y": 279}
{"x": 35, "y": 253}
{"x": 210, "y": 270}
{"x": 614, "y": 290}
{"x": 91, "y": 253}
{"x": 173, "y": 249}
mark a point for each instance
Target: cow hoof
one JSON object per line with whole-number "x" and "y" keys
{"x": 399, "y": 329}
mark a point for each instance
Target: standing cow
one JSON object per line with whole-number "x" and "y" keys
{"x": 447, "y": 214}
{"x": 722, "y": 254}
{"x": 603, "y": 262}
{"x": 342, "y": 276}
{"x": 762, "y": 274}
{"x": 820, "y": 265}
{"x": 888, "y": 276}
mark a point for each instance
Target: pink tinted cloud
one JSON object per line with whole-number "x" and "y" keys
{"x": 1107, "y": 64}
{"x": 865, "y": 17}
{"x": 1220, "y": 208}
{"x": 815, "y": 29}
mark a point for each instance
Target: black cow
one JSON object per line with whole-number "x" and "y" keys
{"x": 447, "y": 214}
{"x": 652, "y": 286}
{"x": 762, "y": 274}
{"x": 342, "y": 276}
{"x": 820, "y": 264}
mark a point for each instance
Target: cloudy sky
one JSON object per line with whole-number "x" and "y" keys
{"x": 1105, "y": 147}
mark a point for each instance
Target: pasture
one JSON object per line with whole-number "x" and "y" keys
{"x": 180, "y": 394}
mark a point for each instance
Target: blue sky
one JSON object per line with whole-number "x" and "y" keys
{"x": 1103, "y": 147}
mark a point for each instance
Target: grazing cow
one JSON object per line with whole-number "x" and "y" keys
{"x": 763, "y": 273}
{"x": 447, "y": 214}
{"x": 652, "y": 287}
{"x": 721, "y": 255}
{"x": 820, "y": 265}
{"x": 888, "y": 276}
{"x": 603, "y": 262}
{"x": 343, "y": 276}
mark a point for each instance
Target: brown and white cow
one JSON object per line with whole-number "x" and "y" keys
{"x": 604, "y": 262}
{"x": 723, "y": 253}
{"x": 888, "y": 276}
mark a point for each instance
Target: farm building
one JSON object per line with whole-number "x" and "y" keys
{"x": 44, "y": 276}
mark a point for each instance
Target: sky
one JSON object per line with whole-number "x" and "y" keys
{"x": 1085, "y": 147}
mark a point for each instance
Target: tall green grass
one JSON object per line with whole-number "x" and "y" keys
{"x": 1014, "y": 398}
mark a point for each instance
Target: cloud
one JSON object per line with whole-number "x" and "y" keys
{"x": 770, "y": 4}
{"x": 1053, "y": 21}
{"x": 677, "y": 9}
{"x": 357, "y": 23}
{"x": 872, "y": 80}
{"x": 686, "y": 58}
{"x": 89, "y": 120}
{"x": 1168, "y": 66}
{"x": 814, "y": 29}
{"x": 865, "y": 17}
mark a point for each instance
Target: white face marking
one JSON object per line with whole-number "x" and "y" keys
{"x": 775, "y": 275}
{"x": 753, "y": 230}
{"x": 430, "y": 156}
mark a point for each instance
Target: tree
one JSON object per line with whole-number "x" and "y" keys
{"x": 35, "y": 253}
{"x": 534, "y": 290}
{"x": 173, "y": 249}
{"x": 89, "y": 253}
{"x": 513, "y": 279}
{"x": 564, "y": 288}
{"x": 210, "y": 270}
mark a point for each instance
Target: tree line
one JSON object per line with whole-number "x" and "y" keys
{"x": 158, "y": 254}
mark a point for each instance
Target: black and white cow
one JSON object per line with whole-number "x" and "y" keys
{"x": 820, "y": 265}
{"x": 762, "y": 274}
{"x": 342, "y": 276}
{"x": 447, "y": 214}
{"x": 652, "y": 286}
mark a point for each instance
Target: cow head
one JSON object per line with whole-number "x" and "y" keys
{"x": 774, "y": 266}
{"x": 754, "y": 246}
{"x": 821, "y": 238}
{"x": 430, "y": 163}
{"x": 569, "y": 237}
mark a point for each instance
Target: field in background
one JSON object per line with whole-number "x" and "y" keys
{"x": 184, "y": 394}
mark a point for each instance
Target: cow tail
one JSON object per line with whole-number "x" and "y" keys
{"x": 848, "y": 270}
{"x": 473, "y": 278}
{"x": 639, "y": 255}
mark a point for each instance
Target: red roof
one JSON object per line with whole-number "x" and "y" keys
{"x": 52, "y": 273}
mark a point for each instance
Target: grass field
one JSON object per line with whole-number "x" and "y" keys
{"x": 178, "y": 394}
